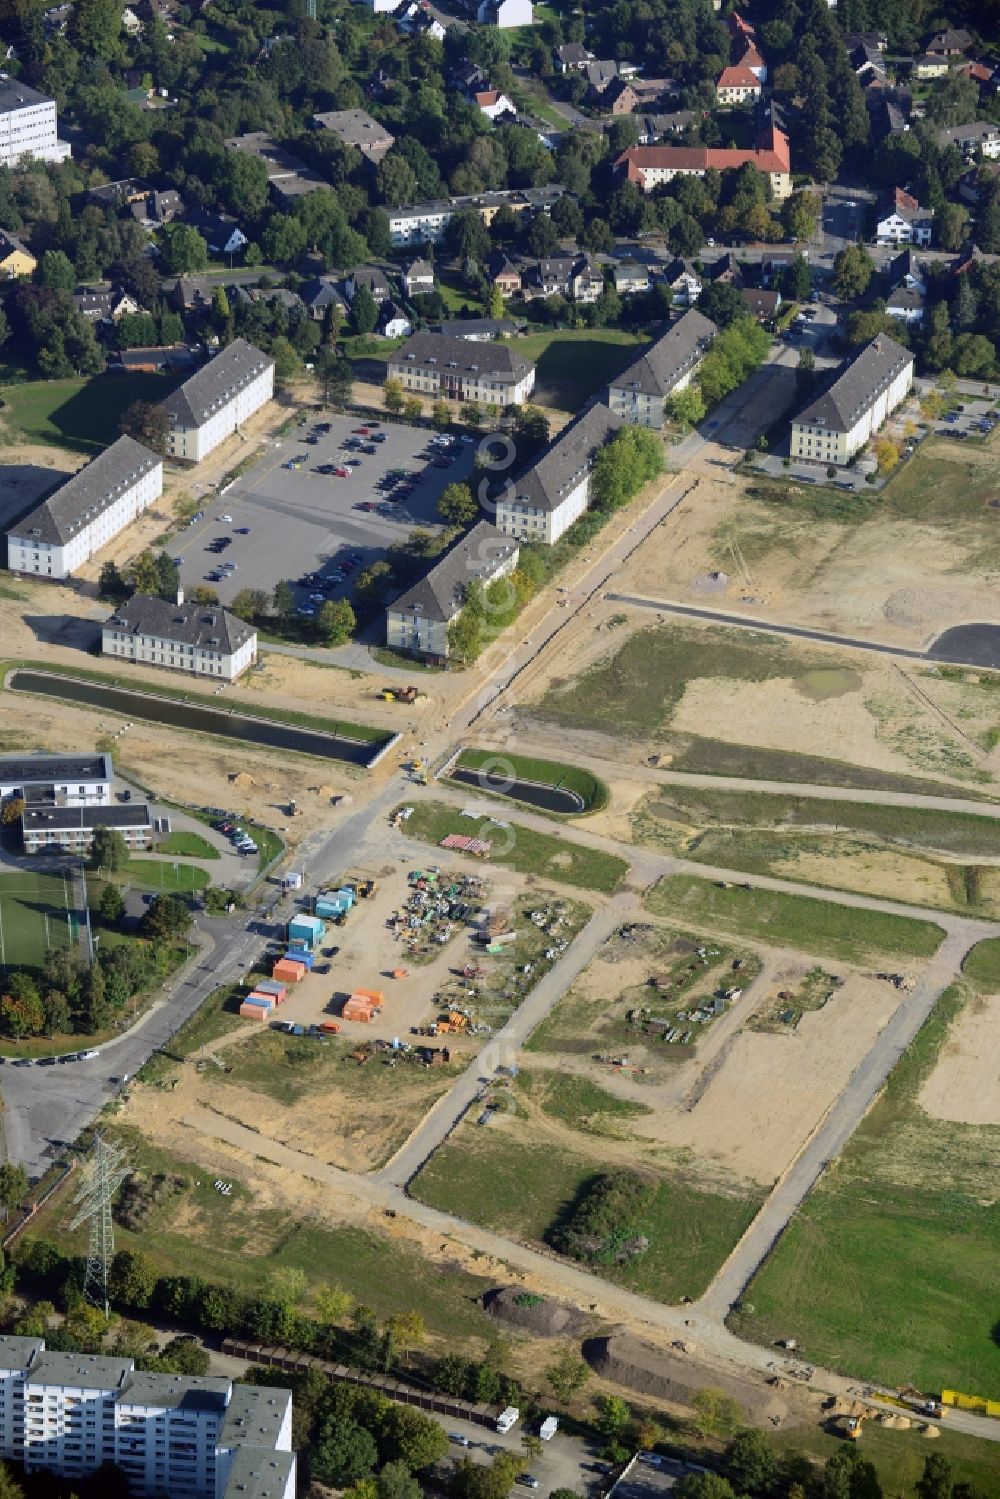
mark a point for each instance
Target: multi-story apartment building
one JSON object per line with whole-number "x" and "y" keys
{"x": 356, "y": 127}
{"x": 61, "y": 780}
{"x": 227, "y": 391}
{"x": 555, "y": 491}
{"x": 838, "y": 423}
{"x": 637, "y": 394}
{"x": 902, "y": 221}
{"x": 425, "y": 223}
{"x": 418, "y": 620}
{"x": 651, "y": 166}
{"x": 47, "y": 829}
{"x": 192, "y": 1437}
{"x": 86, "y": 512}
{"x": 435, "y": 364}
{"x": 203, "y": 639}
{"x": 28, "y": 125}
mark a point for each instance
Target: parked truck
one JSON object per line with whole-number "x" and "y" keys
{"x": 507, "y": 1418}
{"x": 548, "y": 1428}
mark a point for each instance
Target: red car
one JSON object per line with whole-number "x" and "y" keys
{"x": 360, "y": 431}
{"x": 342, "y": 473}
{"x": 365, "y": 505}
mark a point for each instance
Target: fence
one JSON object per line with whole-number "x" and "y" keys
{"x": 978, "y": 1404}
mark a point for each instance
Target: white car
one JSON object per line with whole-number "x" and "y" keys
{"x": 227, "y": 518}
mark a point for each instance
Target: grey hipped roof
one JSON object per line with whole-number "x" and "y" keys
{"x": 439, "y": 595}
{"x": 95, "y": 488}
{"x": 840, "y": 408}
{"x": 208, "y": 626}
{"x": 441, "y": 352}
{"x": 656, "y": 372}
{"x": 561, "y": 467}
{"x": 216, "y": 383}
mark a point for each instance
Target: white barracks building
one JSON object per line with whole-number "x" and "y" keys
{"x": 204, "y": 639}
{"x": 555, "y": 491}
{"x": 838, "y": 424}
{"x": 215, "y": 401}
{"x": 189, "y": 1436}
{"x": 27, "y": 125}
{"x": 86, "y": 512}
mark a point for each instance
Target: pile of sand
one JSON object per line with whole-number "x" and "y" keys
{"x": 639, "y": 1366}
{"x": 241, "y": 778}
{"x": 323, "y": 790}
{"x": 895, "y": 1423}
{"x": 543, "y": 1318}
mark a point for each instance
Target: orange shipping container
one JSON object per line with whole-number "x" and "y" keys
{"x": 252, "y": 1012}
{"x": 288, "y": 971}
{"x": 371, "y": 996}
{"x": 357, "y": 1009}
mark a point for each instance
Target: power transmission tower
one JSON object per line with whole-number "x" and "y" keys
{"x": 102, "y": 1174}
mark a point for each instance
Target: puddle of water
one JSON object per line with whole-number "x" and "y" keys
{"x": 828, "y": 682}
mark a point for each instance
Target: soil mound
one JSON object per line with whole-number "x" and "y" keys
{"x": 639, "y": 1366}
{"x": 539, "y": 1315}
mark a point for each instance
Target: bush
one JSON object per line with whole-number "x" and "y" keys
{"x": 605, "y": 1227}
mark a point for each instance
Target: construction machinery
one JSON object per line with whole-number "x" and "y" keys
{"x": 399, "y": 694}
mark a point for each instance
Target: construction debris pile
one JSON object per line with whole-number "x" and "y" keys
{"x": 396, "y": 1051}
{"x": 436, "y": 906}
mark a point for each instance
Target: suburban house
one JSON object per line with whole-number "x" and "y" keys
{"x": 418, "y": 278}
{"x": 371, "y": 277}
{"x": 726, "y": 270}
{"x": 87, "y": 511}
{"x": 203, "y": 639}
{"x": 949, "y": 44}
{"x": 650, "y": 166}
{"x": 220, "y": 231}
{"x": 418, "y": 620}
{"x": 503, "y": 274}
{"x": 980, "y": 138}
{"x": 738, "y": 85}
{"x": 684, "y": 281}
{"x": 575, "y": 276}
{"x": 105, "y": 306}
{"x": 28, "y": 125}
{"x": 493, "y": 104}
{"x": 437, "y": 364}
{"x": 907, "y": 282}
{"x": 555, "y": 491}
{"x": 926, "y": 67}
{"x": 16, "y": 259}
{"x": 319, "y": 294}
{"x": 838, "y": 423}
{"x": 619, "y": 98}
{"x": 902, "y": 221}
{"x": 505, "y": 13}
{"x": 906, "y": 303}
{"x": 288, "y": 177}
{"x": 572, "y": 57}
{"x": 356, "y": 127}
{"x": 630, "y": 276}
{"x": 637, "y": 394}
{"x": 746, "y": 54}
{"x": 217, "y": 399}
{"x": 761, "y": 302}
{"x": 57, "y": 780}
{"x": 419, "y": 18}
{"x": 652, "y": 127}
{"x": 393, "y": 322}
{"x": 425, "y": 223}
{"x": 202, "y": 1436}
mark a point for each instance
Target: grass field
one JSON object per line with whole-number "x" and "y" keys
{"x": 572, "y": 364}
{"x": 81, "y": 415}
{"x": 889, "y": 1268}
{"x": 37, "y": 911}
{"x": 899, "y": 1456}
{"x": 162, "y": 874}
{"x": 591, "y": 790}
{"x": 521, "y": 849}
{"x": 982, "y": 966}
{"x": 189, "y": 845}
{"x": 797, "y": 921}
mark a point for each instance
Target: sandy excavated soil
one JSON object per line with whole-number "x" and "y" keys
{"x": 964, "y": 1086}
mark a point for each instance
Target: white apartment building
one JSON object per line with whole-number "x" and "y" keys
{"x": 86, "y": 512}
{"x": 193, "y": 1437}
{"x": 555, "y": 491}
{"x": 203, "y": 639}
{"x": 837, "y": 424}
{"x": 425, "y": 223}
{"x": 28, "y": 125}
{"x": 418, "y": 620}
{"x": 216, "y": 400}
{"x": 437, "y": 364}
{"x": 63, "y": 780}
{"x": 902, "y": 221}
{"x": 638, "y": 393}
{"x": 47, "y": 829}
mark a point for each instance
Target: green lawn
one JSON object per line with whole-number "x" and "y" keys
{"x": 166, "y": 875}
{"x": 798, "y": 921}
{"x": 191, "y": 845}
{"x": 521, "y": 848}
{"x": 888, "y": 1271}
{"x": 573, "y": 364}
{"x": 37, "y": 911}
{"x": 982, "y": 966}
{"x": 81, "y": 415}
{"x": 899, "y": 1456}
{"x": 591, "y": 790}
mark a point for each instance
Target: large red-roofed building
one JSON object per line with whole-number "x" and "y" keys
{"x": 651, "y": 166}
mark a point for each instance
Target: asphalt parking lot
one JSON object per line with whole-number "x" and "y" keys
{"x": 967, "y": 418}
{"x": 300, "y": 521}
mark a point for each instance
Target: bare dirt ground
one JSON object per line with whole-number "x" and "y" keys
{"x": 964, "y": 1087}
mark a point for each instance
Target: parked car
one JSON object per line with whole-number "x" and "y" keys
{"x": 306, "y": 610}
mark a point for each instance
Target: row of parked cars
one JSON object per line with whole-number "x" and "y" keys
{"x": 238, "y": 837}
{"x": 69, "y": 1056}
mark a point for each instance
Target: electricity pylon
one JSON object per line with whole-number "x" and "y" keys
{"x": 103, "y": 1172}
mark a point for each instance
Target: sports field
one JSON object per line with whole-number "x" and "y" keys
{"x": 37, "y": 911}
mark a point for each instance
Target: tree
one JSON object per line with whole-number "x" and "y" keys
{"x": 937, "y": 1479}
{"x": 132, "y": 1279}
{"x": 466, "y": 237}
{"x": 531, "y": 430}
{"x": 244, "y": 605}
{"x": 184, "y": 250}
{"x": 623, "y": 465}
{"x": 686, "y": 408}
{"x": 10, "y": 811}
{"x": 716, "y": 1413}
{"x": 703, "y": 1486}
{"x": 471, "y": 413}
{"x": 853, "y": 269}
{"x": 848, "y": 1475}
{"x": 951, "y": 225}
{"x": 397, "y": 1482}
{"x": 805, "y": 369}
{"x": 168, "y": 576}
{"x": 465, "y": 635}
{"x": 392, "y": 395}
{"x": 55, "y": 270}
{"x": 166, "y": 916}
{"x": 13, "y": 1186}
{"x": 21, "y": 1011}
{"x": 335, "y": 376}
{"x": 413, "y": 408}
{"x": 440, "y": 415}
{"x": 108, "y": 850}
{"x": 336, "y": 621}
{"x": 331, "y": 1305}
{"x": 886, "y": 455}
{"x": 751, "y": 1464}
{"x": 111, "y": 904}
{"x": 409, "y": 1330}
{"x": 343, "y": 1453}
{"x": 457, "y": 506}
{"x": 364, "y": 310}
{"x": 58, "y": 1016}
{"x": 204, "y": 596}
{"x": 722, "y": 303}
{"x": 283, "y": 599}
{"x": 413, "y": 1438}
{"x": 613, "y": 1415}
{"x": 568, "y": 1374}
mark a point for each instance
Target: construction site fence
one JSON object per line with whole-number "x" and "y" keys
{"x": 14, "y": 1230}
{"x": 976, "y": 1403}
{"x": 392, "y": 1389}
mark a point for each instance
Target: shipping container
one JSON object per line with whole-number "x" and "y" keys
{"x": 286, "y": 970}
{"x": 271, "y": 986}
{"x": 251, "y": 1011}
{"x": 301, "y": 955}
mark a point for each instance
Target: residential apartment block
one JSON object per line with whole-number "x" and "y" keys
{"x": 902, "y": 221}
{"x": 86, "y": 512}
{"x": 61, "y": 780}
{"x": 838, "y": 423}
{"x": 217, "y": 399}
{"x": 203, "y": 639}
{"x": 637, "y": 394}
{"x": 28, "y": 125}
{"x": 436, "y": 364}
{"x": 418, "y": 620}
{"x": 288, "y": 177}
{"x": 650, "y": 166}
{"x": 70, "y": 830}
{"x": 555, "y": 491}
{"x": 425, "y": 223}
{"x": 192, "y": 1437}
{"x": 356, "y": 127}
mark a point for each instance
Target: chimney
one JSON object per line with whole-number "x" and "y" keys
{"x": 180, "y": 595}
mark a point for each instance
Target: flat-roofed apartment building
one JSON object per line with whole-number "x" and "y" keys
{"x": 425, "y": 223}
{"x": 87, "y": 511}
{"x": 28, "y": 125}
{"x": 418, "y": 620}
{"x": 356, "y": 127}
{"x": 70, "y": 830}
{"x": 668, "y": 365}
{"x": 225, "y": 392}
{"x": 838, "y": 423}
{"x": 555, "y": 491}
{"x": 189, "y": 1436}
{"x": 437, "y": 364}
{"x": 203, "y": 639}
{"x": 62, "y": 780}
